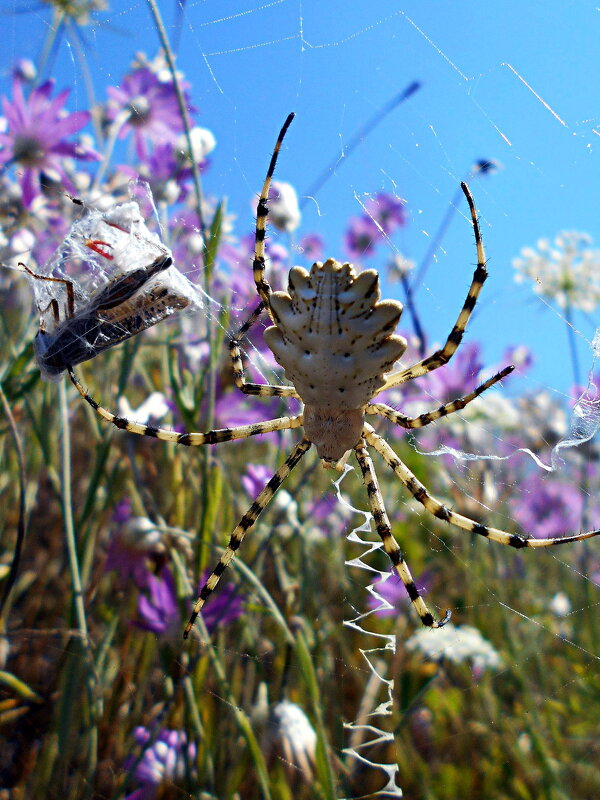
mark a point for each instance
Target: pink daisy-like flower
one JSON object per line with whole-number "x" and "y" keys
{"x": 154, "y": 115}
{"x": 388, "y": 210}
{"x": 548, "y": 507}
{"x": 361, "y": 237}
{"x": 34, "y": 138}
{"x": 311, "y": 247}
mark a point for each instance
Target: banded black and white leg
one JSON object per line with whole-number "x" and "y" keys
{"x": 444, "y": 354}
{"x": 262, "y": 212}
{"x": 439, "y": 510}
{"x": 187, "y": 439}
{"x": 390, "y": 545}
{"x": 235, "y": 354}
{"x": 244, "y": 525}
{"x": 431, "y": 416}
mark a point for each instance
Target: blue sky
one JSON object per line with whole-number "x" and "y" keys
{"x": 512, "y": 81}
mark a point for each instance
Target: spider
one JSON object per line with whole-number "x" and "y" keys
{"x": 335, "y": 340}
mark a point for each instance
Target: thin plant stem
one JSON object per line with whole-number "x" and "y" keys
{"x": 115, "y": 128}
{"x": 208, "y": 265}
{"x": 170, "y": 56}
{"x": 21, "y": 527}
{"x": 360, "y": 135}
{"x": 67, "y": 506}
{"x": 435, "y": 242}
{"x": 77, "y": 44}
{"x": 56, "y": 28}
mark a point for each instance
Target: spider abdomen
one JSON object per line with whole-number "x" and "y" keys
{"x": 332, "y": 431}
{"x": 333, "y": 336}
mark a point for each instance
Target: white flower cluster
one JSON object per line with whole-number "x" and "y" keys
{"x": 457, "y": 644}
{"x": 566, "y": 270}
{"x": 284, "y": 211}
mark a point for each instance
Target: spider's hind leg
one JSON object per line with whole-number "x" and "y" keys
{"x": 188, "y": 439}
{"x": 244, "y": 525}
{"x": 390, "y": 545}
{"x": 441, "y": 512}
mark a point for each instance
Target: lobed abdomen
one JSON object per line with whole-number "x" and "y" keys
{"x": 333, "y": 336}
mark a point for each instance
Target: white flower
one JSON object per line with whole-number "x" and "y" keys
{"x": 399, "y": 267}
{"x": 140, "y": 533}
{"x": 567, "y": 270}
{"x": 284, "y": 212}
{"x": 286, "y": 510}
{"x": 290, "y": 737}
{"x": 497, "y": 408}
{"x": 560, "y": 605}
{"x": 457, "y": 644}
{"x": 203, "y": 143}
{"x": 154, "y": 407}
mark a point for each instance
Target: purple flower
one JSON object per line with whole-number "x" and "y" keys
{"x": 547, "y": 507}
{"x": 135, "y": 542}
{"x": 35, "y": 135}
{"x": 232, "y": 409}
{"x": 311, "y": 246}
{"x": 361, "y": 237}
{"x": 458, "y": 377}
{"x": 224, "y": 606}
{"x": 255, "y": 479}
{"x": 388, "y": 210}
{"x": 158, "y": 611}
{"x": 165, "y": 759}
{"x": 323, "y": 508}
{"x": 151, "y": 103}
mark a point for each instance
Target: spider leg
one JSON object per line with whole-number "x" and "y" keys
{"x": 442, "y": 356}
{"x": 260, "y": 389}
{"x": 244, "y": 525}
{"x": 443, "y": 411}
{"x": 262, "y": 212}
{"x": 390, "y": 545}
{"x": 189, "y": 439}
{"x": 437, "y": 509}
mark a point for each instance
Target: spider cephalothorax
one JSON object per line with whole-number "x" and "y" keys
{"x": 335, "y": 340}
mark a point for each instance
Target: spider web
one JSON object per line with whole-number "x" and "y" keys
{"x": 484, "y": 94}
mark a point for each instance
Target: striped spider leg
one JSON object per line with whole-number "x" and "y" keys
{"x": 335, "y": 339}
{"x": 438, "y": 510}
{"x": 443, "y": 355}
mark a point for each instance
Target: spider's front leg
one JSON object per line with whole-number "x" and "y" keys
{"x": 235, "y": 353}
{"x": 262, "y": 212}
{"x": 444, "y": 354}
{"x": 390, "y": 545}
